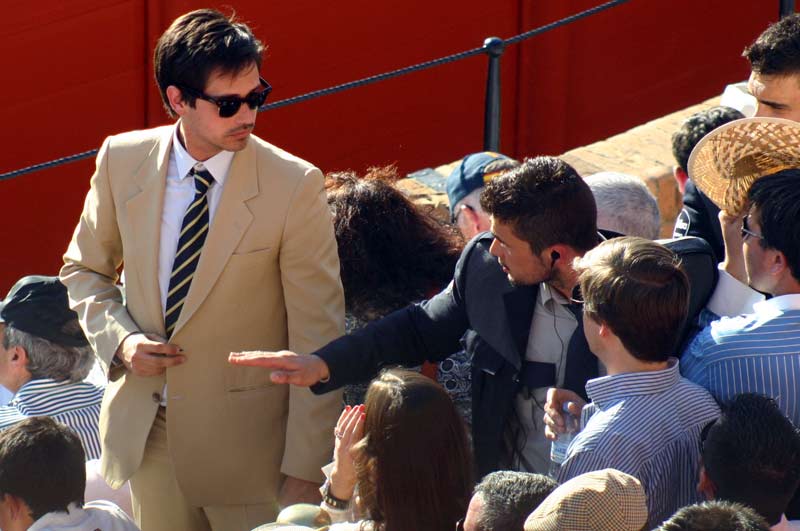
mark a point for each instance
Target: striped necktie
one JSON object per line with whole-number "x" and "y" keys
{"x": 190, "y": 243}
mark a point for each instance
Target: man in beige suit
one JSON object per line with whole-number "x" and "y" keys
{"x": 227, "y": 245}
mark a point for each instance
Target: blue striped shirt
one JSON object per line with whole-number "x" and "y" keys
{"x": 755, "y": 353}
{"x": 646, "y": 424}
{"x": 76, "y": 404}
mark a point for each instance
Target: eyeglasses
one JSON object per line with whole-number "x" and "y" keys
{"x": 746, "y": 232}
{"x": 462, "y": 208}
{"x": 229, "y": 105}
{"x": 460, "y": 525}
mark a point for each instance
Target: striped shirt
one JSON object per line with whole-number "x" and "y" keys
{"x": 754, "y": 353}
{"x": 76, "y": 404}
{"x": 646, "y": 424}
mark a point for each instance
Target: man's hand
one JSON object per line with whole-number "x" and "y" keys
{"x": 148, "y": 354}
{"x": 732, "y": 238}
{"x": 287, "y": 367}
{"x": 296, "y": 490}
{"x": 554, "y": 421}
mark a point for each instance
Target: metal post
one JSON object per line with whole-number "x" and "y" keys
{"x": 494, "y": 47}
{"x": 787, "y": 7}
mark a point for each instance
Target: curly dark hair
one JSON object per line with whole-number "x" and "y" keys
{"x": 391, "y": 252}
{"x": 695, "y": 127}
{"x": 777, "y": 50}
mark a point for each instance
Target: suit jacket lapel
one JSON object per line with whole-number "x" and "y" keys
{"x": 520, "y": 303}
{"x": 144, "y": 216}
{"x": 227, "y": 228}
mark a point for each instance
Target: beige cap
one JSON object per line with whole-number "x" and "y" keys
{"x": 604, "y": 500}
{"x": 730, "y": 158}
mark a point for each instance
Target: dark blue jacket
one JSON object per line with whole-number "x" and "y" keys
{"x": 481, "y": 311}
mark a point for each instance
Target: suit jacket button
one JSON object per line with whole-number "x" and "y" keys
{"x": 157, "y": 398}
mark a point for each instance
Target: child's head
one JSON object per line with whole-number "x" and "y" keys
{"x": 635, "y": 287}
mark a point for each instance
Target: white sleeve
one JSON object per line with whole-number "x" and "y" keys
{"x": 731, "y": 297}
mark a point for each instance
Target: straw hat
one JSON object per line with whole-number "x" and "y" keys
{"x": 604, "y": 500}
{"x": 730, "y": 158}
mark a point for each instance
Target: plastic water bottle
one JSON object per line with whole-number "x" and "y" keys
{"x": 558, "y": 448}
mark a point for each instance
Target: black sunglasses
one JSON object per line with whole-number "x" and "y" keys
{"x": 229, "y": 105}
{"x": 460, "y": 525}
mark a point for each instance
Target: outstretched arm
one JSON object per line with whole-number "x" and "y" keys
{"x": 287, "y": 367}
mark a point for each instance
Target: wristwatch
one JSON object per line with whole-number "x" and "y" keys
{"x": 330, "y": 499}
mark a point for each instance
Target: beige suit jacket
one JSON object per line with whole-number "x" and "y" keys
{"x": 268, "y": 279}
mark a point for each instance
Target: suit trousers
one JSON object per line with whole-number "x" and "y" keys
{"x": 159, "y": 504}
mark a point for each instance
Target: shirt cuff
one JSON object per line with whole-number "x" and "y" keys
{"x": 731, "y": 297}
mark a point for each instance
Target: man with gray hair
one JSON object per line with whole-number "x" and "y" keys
{"x": 44, "y": 360}
{"x": 504, "y": 499}
{"x": 624, "y": 205}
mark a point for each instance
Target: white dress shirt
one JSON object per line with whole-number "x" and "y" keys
{"x": 552, "y": 327}
{"x": 178, "y": 195}
{"x": 95, "y": 515}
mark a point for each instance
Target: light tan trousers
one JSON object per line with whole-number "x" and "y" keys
{"x": 159, "y": 505}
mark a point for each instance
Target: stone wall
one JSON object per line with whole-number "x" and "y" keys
{"x": 644, "y": 151}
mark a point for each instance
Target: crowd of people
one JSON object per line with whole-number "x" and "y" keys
{"x": 249, "y": 356}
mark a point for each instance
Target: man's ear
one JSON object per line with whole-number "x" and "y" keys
{"x": 468, "y": 220}
{"x": 17, "y": 356}
{"x": 680, "y": 177}
{"x": 15, "y": 509}
{"x": 779, "y": 263}
{"x": 705, "y": 486}
{"x": 176, "y": 101}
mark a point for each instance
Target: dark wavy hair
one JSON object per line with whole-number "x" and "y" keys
{"x": 695, "y": 127}
{"x": 391, "y": 252}
{"x": 546, "y": 202}
{"x": 752, "y": 455}
{"x": 776, "y": 52}
{"x": 414, "y": 465}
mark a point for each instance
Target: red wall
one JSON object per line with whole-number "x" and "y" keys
{"x": 73, "y": 75}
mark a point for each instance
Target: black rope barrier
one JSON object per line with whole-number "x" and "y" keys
{"x": 357, "y": 83}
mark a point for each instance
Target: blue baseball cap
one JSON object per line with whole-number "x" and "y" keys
{"x": 474, "y": 172}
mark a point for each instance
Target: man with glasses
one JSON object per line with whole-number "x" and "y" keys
{"x": 758, "y": 352}
{"x": 464, "y": 186}
{"x": 227, "y": 244}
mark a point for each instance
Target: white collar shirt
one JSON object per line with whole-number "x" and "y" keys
{"x": 178, "y": 195}
{"x": 552, "y": 327}
{"x": 94, "y": 515}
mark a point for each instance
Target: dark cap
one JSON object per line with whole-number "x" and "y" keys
{"x": 39, "y": 306}
{"x": 474, "y": 172}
